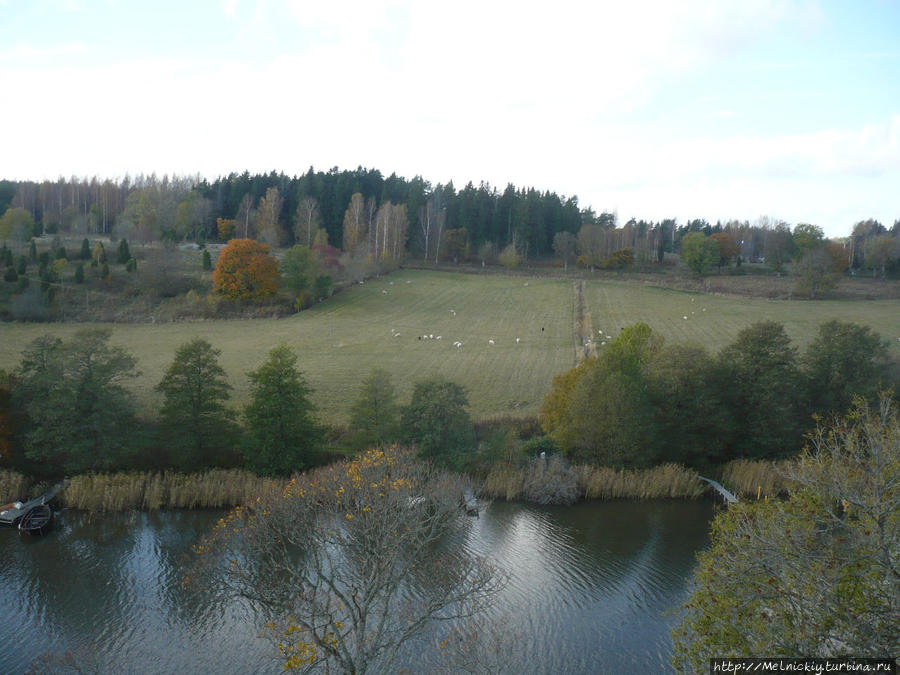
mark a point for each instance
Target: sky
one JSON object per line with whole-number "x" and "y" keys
{"x": 692, "y": 109}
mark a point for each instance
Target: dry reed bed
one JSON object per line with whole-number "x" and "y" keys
{"x": 667, "y": 481}
{"x": 750, "y": 479}
{"x": 217, "y": 488}
{"x": 13, "y": 486}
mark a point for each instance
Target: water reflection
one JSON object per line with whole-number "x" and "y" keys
{"x": 593, "y": 588}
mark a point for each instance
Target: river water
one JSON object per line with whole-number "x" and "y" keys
{"x": 594, "y": 588}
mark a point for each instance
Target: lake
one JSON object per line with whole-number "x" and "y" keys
{"x": 594, "y": 588}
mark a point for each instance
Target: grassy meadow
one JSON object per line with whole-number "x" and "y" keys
{"x": 339, "y": 341}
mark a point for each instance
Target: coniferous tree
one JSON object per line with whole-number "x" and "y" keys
{"x": 123, "y": 254}
{"x": 197, "y": 426}
{"x": 283, "y": 437}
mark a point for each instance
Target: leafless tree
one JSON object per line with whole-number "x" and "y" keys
{"x": 353, "y": 561}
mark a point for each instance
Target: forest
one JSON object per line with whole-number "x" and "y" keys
{"x": 441, "y": 222}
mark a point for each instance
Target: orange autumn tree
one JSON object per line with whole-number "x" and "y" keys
{"x": 246, "y": 271}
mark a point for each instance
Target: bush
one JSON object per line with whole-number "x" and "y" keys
{"x": 550, "y": 481}
{"x": 131, "y": 265}
{"x": 10, "y": 275}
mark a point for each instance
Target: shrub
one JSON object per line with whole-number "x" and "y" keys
{"x": 550, "y": 481}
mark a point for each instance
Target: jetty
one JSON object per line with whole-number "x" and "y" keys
{"x": 33, "y": 516}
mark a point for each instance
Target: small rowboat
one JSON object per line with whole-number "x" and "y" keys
{"x": 37, "y": 521}
{"x": 34, "y": 516}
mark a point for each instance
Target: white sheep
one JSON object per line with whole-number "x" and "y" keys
{"x": 431, "y": 336}
{"x": 517, "y": 340}
{"x": 384, "y": 292}
{"x": 684, "y": 317}
{"x": 453, "y": 312}
{"x": 438, "y": 337}
{"x": 396, "y": 334}
{"x": 490, "y": 342}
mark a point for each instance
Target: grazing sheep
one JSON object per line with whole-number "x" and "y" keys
{"x": 517, "y": 340}
{"x": 490, "y": 342}
{"x": 453, "y": 312}
{"x": 396, "y": 334}
{"x": 684, "y": 317}
{"x": 384, "y": 292}
{"x": 438, "y": 337}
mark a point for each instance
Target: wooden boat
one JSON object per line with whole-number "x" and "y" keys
{"x": 34, "y": 516}
{"x": 37, "y": 521}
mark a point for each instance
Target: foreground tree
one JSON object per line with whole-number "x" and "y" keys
{"x": 282, "y": 435}
{"x": 437, "y": 422}
{"x": 352, "y": 562}
{"x": 79, "y": 415}
{"x": 375, "y": 415}
{"x": 246, "y": 271}
{"x": 816, "y": 575}
{"x": 197, "y": 426}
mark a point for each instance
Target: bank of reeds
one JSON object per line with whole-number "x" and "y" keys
{"x": 217, "y": 488}
{"x": 667, "y": 481}
{"x": 13, "y": 486}
{"x": 749, "y": 478}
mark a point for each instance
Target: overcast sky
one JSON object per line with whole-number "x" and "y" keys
{"x": 652, "y": 109}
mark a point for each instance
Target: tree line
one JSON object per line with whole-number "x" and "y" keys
{"x": 394, "y": 215}
{"x": 66, "y": 410}
{"x": 640, "y": 402}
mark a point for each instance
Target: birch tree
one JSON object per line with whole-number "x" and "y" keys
{"x": 307, "y": 220}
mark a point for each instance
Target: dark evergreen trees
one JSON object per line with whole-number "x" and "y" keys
{"x": 79, "y": 415}
{"x": 197, "y": 428}
{"x": 282, "y": 435}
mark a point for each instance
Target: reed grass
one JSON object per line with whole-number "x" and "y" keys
{"x": 13, "y": 486}
{"x": 667, "y": 481}
{"x": 752, "y": 478}
{"x": 217, "y": 488}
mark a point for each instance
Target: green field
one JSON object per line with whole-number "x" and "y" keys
{"x": 339, "y": 341}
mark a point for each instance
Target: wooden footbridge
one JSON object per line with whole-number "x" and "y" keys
{"x": 726, "y": 495}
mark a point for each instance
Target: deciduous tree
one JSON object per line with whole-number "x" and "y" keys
{"x": 437, "y": 422}
{"x": 246, "y": 271}
{"x": 79, "y": 414}
{"x": 299, "y": 269}
{"x": 699, "y": 252}
{"x": 352, "y": 562}
{"x": 817, "y": 574}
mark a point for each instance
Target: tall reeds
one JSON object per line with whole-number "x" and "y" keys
{"x": 750, "y": 478}
{"x": 667, "y": 481}
{"x": 13, "y": 486}
{"x": 218, "y": 488}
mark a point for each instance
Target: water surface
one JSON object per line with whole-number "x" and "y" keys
{"x": 594, "y": 588}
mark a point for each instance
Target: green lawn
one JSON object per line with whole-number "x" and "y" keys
{"x": 338, "y": 342}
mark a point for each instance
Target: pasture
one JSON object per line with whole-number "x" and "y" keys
{"x": 378, "y": 324}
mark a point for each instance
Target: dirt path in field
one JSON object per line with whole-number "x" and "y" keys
{"x": 583, "y": 330}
